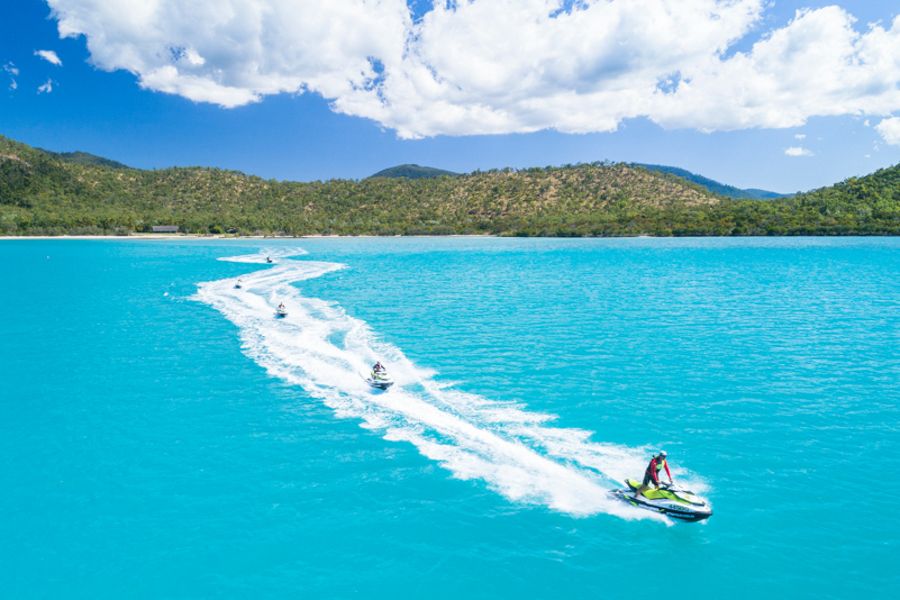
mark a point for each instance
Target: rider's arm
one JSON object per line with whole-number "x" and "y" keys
{"x": 668, "y": 472}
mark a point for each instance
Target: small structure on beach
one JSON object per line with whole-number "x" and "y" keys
{"x": 165, "y": 229}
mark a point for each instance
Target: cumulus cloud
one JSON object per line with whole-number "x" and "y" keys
{"x": 889, "y": 129}
{"x": 46, "y": 87}
{"x": 502, "y": 66}
{"x": 233, "y": 52}
{"x": 797, "y": 151}
{"x": 799, "y": 136}
{"x": 50, "y": 56}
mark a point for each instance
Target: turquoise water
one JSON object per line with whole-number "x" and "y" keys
{"x": 164, "y": 435}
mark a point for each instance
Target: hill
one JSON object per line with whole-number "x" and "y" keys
{"x": 42, "y": 193}
{"x": 413, "y": 172}
{"x": 714, "y": 186}
{"x": 86, "y": 158}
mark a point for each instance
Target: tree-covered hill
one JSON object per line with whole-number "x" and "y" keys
{"x": 714, "y": 186}
{"x": 414, "y": 172}
{"x": 41, "y": 193}
{"x": 86, "y": 158}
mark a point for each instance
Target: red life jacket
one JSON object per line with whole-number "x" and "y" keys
{"x": 655, "y": 467}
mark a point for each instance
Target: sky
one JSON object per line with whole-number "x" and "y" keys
{"x": 778, "y": 95}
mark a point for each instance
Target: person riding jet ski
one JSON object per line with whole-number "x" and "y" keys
{"x": 651, "y": 475}
{"x": 379, "y": 377}
{"x": 282, "y": 311}
{"x": 665, "y": 498}
{"x": 269, "y": 259}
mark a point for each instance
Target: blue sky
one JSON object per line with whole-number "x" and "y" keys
{"x": 488, "y": 110}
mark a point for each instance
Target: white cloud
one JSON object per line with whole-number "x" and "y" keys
{"x": 46, "y": 87}
{"x": 799, "y": 136}
{"x": 233, "y": 52}
{"x": 499, "y": 66}
{"x": 798, "y": 151}
{"x": 889, "y": 129}
{"x": 13, "y": 72}
{"x": 50, "y": 56}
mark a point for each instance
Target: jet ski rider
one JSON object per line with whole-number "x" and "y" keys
{"x": 378, "y": 368}
{"x": 651, "y": 475}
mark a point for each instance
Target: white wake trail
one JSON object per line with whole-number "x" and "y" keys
{"x": 274, "y": 254}
{"x": 325, "y": 351}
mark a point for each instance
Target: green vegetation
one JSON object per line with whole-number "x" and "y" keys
{"x": 712, "y": 185}
{"x": 42, "y": 193}
{"x": 86, "y": 158}
{"x": 414, "y": 172}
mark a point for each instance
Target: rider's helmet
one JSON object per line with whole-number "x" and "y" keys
{"x": 662, "y": 453}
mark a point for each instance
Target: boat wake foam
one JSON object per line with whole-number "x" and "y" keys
{"x": 260, "y": 257}
{"x": 321, "y": 348}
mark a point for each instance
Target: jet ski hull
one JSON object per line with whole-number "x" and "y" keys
{"x": 381, "y": 384}
{"x": 679, "y": 504}
{"x": 281, "y": 314}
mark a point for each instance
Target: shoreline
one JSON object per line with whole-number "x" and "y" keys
{"x": 196, "y": 236}
{"x": 217, "y": 237}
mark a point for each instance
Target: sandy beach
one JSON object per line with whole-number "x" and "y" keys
{"x": 195, "y": 236}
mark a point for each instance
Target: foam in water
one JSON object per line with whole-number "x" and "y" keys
{"x": 321, "y": 348}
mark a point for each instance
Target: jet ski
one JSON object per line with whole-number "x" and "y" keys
{"x": 669, "y": 500}
{"x": 269, "y": 259}
{"x": 380, "y": 380}
{"x": 238, "y": 285}
{"x": 281, "y": 311}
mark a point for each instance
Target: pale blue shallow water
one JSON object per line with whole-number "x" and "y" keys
{"x": 158, "y": 442}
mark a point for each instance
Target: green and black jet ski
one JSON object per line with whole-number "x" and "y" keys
{"x": 380, "y": 380}
{"x": 667, "y": 499}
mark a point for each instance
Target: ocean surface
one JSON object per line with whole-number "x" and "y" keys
{"x": 163, "y": 435}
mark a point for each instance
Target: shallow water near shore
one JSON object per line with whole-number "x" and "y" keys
{"x": 166, "y": 435}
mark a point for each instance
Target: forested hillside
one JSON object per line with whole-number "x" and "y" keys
{"x": 43, "y": 193}
{"x": 712, "y": 185}
{"x": 414, "y": 172}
